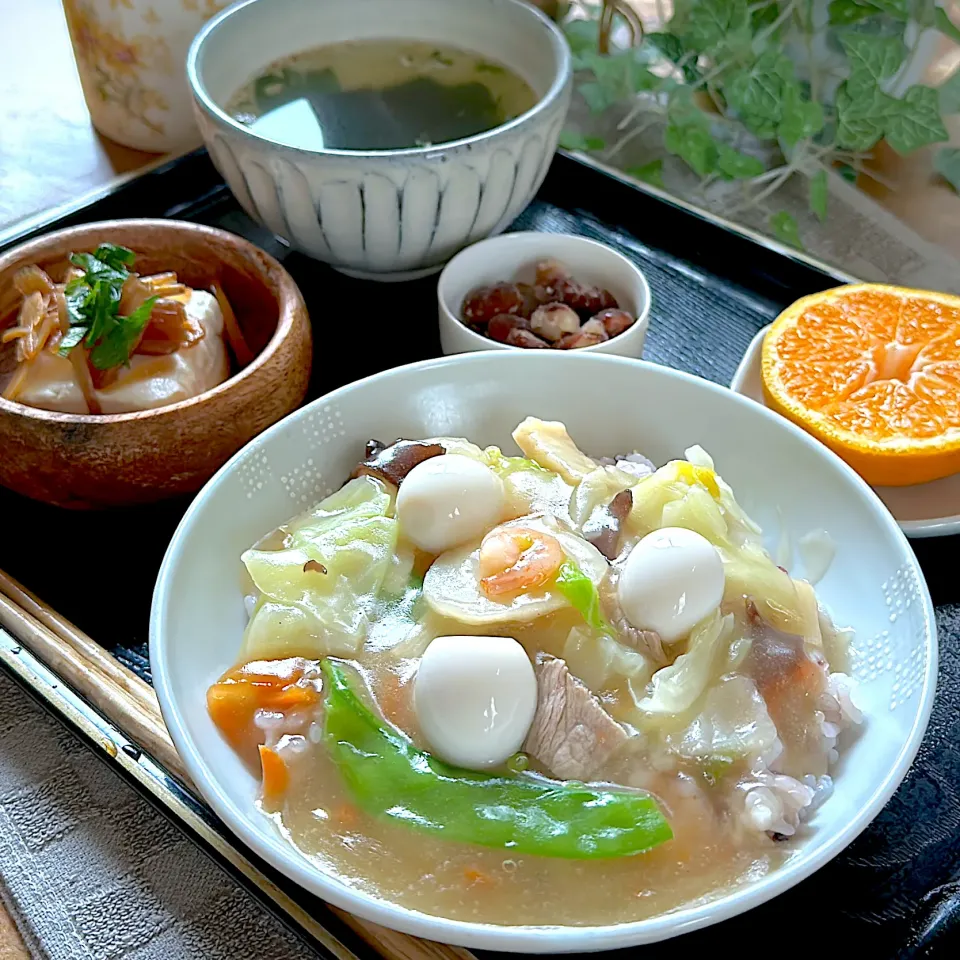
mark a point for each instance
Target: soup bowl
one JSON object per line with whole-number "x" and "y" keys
{"x": 391, "y": 214}
{"x": 788, "y": 481}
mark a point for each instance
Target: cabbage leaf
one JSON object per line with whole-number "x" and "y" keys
{"x": 691, "y": 495}
{"x": 596, "y": 490}
{"x": 602, "y": 662}
{"x": 323, "y": 608}
{"x": 675, "y": 688}
{"x": 733, "y": 723}
{"x": 582, "y": 594}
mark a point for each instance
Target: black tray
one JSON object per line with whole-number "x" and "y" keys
{"x": 895, "y": 892}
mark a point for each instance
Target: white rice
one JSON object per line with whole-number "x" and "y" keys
{"x": 777, "y": 804}
{"x": 774, "y": 802}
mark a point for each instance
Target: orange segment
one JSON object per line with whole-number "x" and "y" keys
{"x": 872, "y": 371}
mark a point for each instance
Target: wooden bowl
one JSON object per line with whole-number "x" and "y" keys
{"x": 87, "y": 461}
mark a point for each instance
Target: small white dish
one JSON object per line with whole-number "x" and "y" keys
{"x": 786, "y": 480}
{"x": 512, "y": 257}
{"x": 922, "y": 510}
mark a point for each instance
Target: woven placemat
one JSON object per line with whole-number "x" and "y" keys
{"x": 92, "y": 872}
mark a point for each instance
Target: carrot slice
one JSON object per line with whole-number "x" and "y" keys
{"x": 231, "y": 707}
{"x": 289, "y": 698}
{"x": 234, "y": 699}
{"x": 276, "y": 775}
{"x": 477, "y": 878}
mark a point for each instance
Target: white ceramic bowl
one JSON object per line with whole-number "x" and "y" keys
{"x": 394, "y": 214}
{"x": 513, "y": 257}
{"x": 786, "y": 479}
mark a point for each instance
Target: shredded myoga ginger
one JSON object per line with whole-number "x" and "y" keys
{"x": 44, "y": 320}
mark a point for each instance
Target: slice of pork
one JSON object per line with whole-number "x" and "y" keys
{"x": 572, "y": 735}
{"x": 647, "y": 642}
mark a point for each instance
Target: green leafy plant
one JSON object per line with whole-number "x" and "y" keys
{"x": 759, "y": 90}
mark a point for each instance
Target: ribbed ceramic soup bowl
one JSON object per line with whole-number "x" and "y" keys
{"x": 391, "y": 214}
{"x": 787, "y": 481}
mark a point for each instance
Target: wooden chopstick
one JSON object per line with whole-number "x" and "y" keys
{"x": 132, "y": 705}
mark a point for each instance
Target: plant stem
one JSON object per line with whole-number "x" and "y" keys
{"x": 707, "y": 77}
{"x": 627, "y": 137}
{"x": 764, "y": 177}
{"x": 715, "y": 97}
{"x": 632, "y": 114}
{"x": 911, "y": 55}
{"x": 762, "y": 36}
{"x": 811, "y": 62}
{"x": 787, "y": 172}
{"x": 873, "y": 175}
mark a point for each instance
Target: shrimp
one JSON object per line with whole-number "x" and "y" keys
{"x": 517, "y": 558}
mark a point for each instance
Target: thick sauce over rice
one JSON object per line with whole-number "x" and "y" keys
{"x": 731, "y": 729}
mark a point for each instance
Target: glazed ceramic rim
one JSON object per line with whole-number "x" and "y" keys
{"x": 286, "y": 292}
{"x": 528, "y": 939}
{"x": 638, "y": 329}
{"x": 564, "y": 73}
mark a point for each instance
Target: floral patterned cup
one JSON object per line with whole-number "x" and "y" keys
{"x": 130, "y": 56}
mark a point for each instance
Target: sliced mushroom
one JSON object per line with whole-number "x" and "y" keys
{"x": 604, "y": 526}
{"x": 393, "y": 463}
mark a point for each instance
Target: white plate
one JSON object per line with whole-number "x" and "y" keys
{"x": 922, "y": 510}
{"x": 787, "y": 480}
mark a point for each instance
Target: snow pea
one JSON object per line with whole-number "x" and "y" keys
{"x": 391, "y": 778}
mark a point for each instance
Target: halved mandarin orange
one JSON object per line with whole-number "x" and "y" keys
{"x": 872, "y": 371}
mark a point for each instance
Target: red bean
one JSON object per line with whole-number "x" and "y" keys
{"x": 501, "y": 325}
{"x": 549, "y": 272}
{"x": 530, "y": 300}
{"x": 590, "y": 300}
{"x": 615, "y": 321}
{"x": 547, "y": 312}
{"x": 609, "y": 301}
{"x": 484, "y": 303}
{"x": 553, "y": 282}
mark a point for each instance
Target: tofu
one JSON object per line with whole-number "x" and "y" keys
{"x": 148, "y": 382}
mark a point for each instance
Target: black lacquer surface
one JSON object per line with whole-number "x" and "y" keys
{"x": 895, "y": 892}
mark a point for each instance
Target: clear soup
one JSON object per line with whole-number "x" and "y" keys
{"x": 380, "y": 95}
